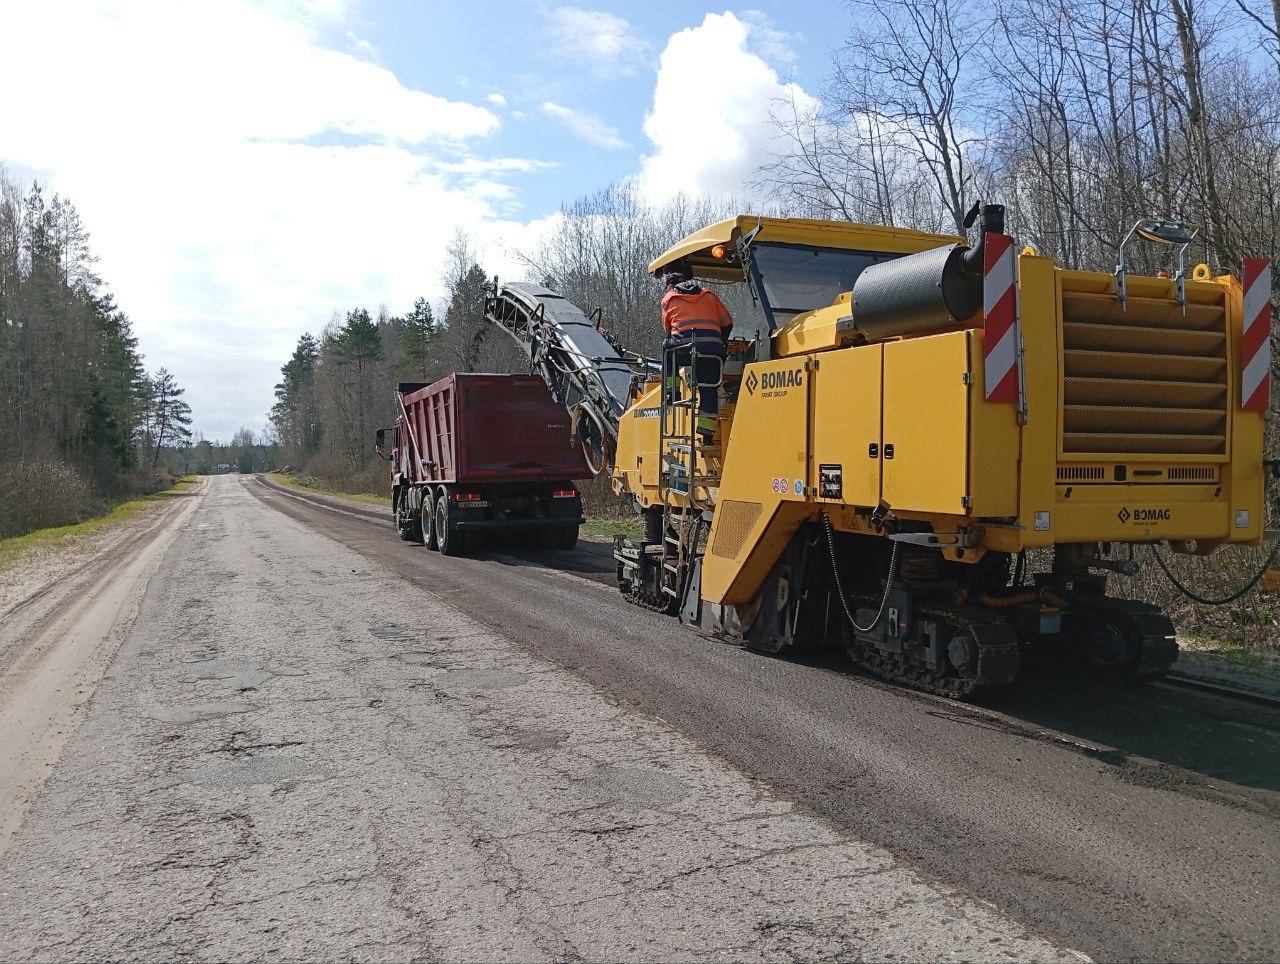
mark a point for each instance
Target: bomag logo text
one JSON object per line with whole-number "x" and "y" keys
{"x": 775, "y": 384}
{"x": 1144, "y": 515}
{"x": 788, "y": 379}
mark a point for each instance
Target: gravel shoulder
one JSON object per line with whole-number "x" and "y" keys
{"x": 59, "y": 633}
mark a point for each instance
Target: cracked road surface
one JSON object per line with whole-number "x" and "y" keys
{"x": 315, "y": 741}
{"x": 294, "y": 754}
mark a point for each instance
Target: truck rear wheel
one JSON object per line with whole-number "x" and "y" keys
{"x": 449, "y": 540}
{"x": 568, "y": 537}
{"x": 429, "y": 523}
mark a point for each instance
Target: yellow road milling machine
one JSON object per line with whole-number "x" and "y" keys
{"x": 913, "y": 427}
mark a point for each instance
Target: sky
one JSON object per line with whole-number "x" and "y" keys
{"x": 247, "y": 168}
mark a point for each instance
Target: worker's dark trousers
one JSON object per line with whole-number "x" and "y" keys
{"x": 678, "y": 354}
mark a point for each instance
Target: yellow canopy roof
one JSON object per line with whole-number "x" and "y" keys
{"x": 696, "y": 247}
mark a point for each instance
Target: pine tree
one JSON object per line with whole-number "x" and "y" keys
{"x": 295, "y": 415}
{"x": 418, "y": 346}
{"x": 171, "y": 416}
{"x": 359, "y": 344}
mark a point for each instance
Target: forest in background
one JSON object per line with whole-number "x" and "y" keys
{"x": 85, "y": 423}
{"x": 1080, "y": 116}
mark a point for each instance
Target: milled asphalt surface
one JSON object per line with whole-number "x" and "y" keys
{"x": 1135, "y": 824}
{"x": 286, "y": 749}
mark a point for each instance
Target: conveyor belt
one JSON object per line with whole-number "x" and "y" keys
{"x": 585, "y": 371}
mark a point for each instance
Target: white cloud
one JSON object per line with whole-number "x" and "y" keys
{"x": 585, "y": 126}
{"x": 494, "y": 165}
{"x": 605, "y": 41}
{"x": 242, "y": 181}
{"x": 497, "y": 99}
{"x": 776, "y": 47}
{"x": 716, "y": 147}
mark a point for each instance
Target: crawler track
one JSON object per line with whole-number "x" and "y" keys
{"x": 998, "y": 655}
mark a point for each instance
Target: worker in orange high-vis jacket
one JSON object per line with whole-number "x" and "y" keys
{"x": 695, "y": 321}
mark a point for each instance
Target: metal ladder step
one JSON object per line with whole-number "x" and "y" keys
{"x": 696, "y": 447}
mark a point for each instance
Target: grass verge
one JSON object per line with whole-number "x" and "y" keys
{"x": 312, "y": 484}
{"x": 12, "y": 550}
{"x": 1234, "y": 652}
{"x": 606, "y": 527}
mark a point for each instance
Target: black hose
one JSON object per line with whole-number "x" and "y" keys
{"x": 1275, "y": 551}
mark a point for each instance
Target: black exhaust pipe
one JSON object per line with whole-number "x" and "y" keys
{"x": 991, "y": 222}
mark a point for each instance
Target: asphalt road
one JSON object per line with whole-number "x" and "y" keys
{"x": 313, "y": 740}
{"x": 237, "y": 739}
{"x": 1129, "y": 824}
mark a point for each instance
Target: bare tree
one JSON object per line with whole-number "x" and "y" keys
{"x": 905, "y": 69}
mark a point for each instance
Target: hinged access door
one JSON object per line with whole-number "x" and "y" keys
{"x": 925, "y": 448}
{"x": 845, "y": 466}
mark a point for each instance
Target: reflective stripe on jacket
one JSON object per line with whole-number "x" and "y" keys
{"x": 686, "y": 313}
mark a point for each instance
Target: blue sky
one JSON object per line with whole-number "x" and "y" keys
{"x": 516, "y": 50}
{"x": 247, "y": 168}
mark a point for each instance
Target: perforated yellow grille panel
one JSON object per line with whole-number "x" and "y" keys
{"x": 734, "y": 522}
{"x": 1143, "y": 377}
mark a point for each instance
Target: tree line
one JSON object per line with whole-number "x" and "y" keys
{"x": 85, "y": 423}
{"x": 1081, "y": 116}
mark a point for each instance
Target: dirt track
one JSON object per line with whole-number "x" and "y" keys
{"x": 317, "y": 741}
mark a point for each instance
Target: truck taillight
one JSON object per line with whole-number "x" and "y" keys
{"x": 467, "y": 497}
{"x": 564, "y": 493}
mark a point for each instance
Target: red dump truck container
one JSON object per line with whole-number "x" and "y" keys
{"x": 477, "y": 453}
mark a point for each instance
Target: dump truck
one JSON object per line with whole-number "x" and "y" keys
{"x": 477, "y": 454}
{"x": 936, "y": 455}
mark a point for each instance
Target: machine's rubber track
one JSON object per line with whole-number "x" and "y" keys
{"x": 658, "y": 603}
{"x": 999, "y": 655}
{"x": 664, "y": 604}
{"x": 1149, "y": 631}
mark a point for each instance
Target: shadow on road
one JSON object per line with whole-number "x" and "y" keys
{"x": 1216, "y": 737}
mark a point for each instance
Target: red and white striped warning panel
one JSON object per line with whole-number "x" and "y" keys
{"x": 1000, "y": 308}
{"x": 1255, "y": 354}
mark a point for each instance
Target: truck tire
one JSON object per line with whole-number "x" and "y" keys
{"x": 449, "y": 539}
{"x": 429, "y": 523}
{"x": 568, "y": 537}
{"x": 397, "y": 497}
{"x": 408, "y": 527}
